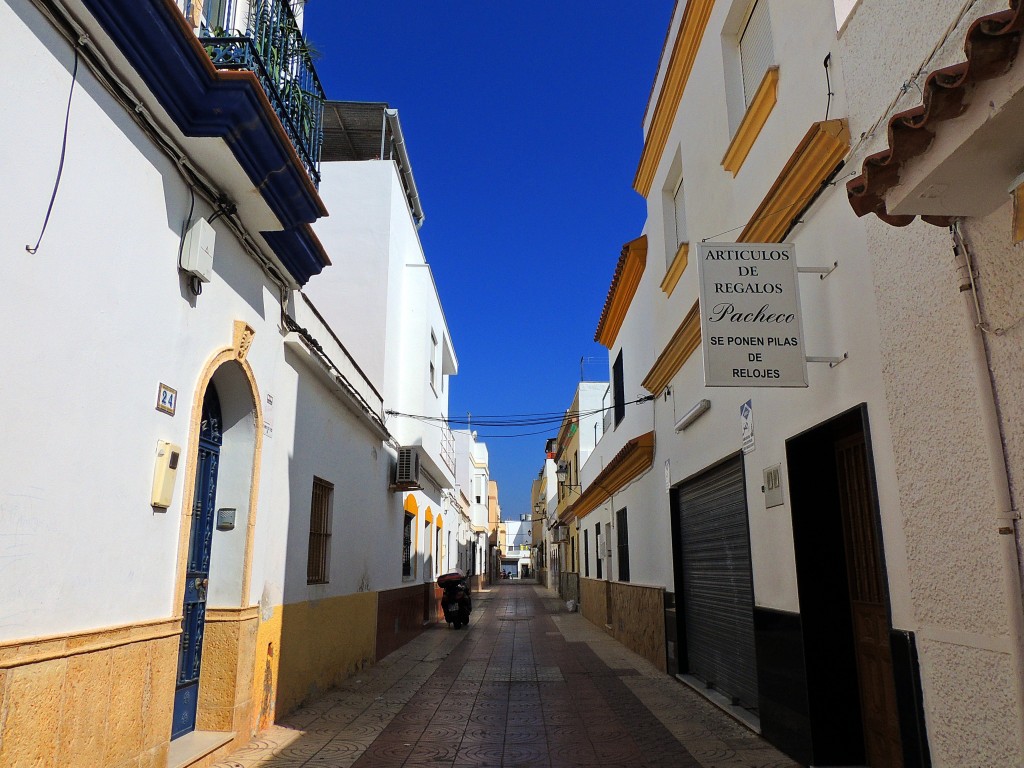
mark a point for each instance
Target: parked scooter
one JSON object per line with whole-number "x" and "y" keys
{"x": 455, "y": 601}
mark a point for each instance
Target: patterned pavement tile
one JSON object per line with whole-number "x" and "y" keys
{"x": 528, "y": 685}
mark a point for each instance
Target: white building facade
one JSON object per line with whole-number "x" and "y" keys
{"x": 233, "y": 480}
{"x": 771, "y": 542}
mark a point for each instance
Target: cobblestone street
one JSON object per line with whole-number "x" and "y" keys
{"x": 527, "y": 685}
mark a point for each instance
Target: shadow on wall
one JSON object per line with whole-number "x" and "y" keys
{"x": 324, "y": 630}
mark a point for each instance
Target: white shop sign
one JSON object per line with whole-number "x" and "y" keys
{"x": 750, "y": 325}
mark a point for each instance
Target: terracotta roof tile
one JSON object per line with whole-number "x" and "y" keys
{"x": 991, "y": 46}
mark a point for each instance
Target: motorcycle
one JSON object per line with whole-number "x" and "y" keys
{"x": 455, "y": 600}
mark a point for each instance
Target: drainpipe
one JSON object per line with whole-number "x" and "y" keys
{"x": 405, "y": 168}
{"x": 1006, "y": 517}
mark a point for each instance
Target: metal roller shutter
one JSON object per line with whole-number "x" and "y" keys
{"x": 756, "y": 50}
{"x": 718, "y": 595}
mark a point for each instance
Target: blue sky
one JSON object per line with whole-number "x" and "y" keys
{"x": 524, "y": 127}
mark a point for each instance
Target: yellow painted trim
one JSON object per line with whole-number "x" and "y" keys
{"x": 411, "y": 506}
{"x": 635, "y": 458}
{"x": 684, "y": 342}
{"x": 1018, "y": 214}
{"x": 429, "y": 515}
{"x": 680, "y": 64}
{"x": 676, "y": 269}
{"x": 756, "y": 116}
{"x": 819, "y": 152}
{"x": 18, "y": 653}
{"x": 628, "y": 272}
{"x": 440, "y": 521}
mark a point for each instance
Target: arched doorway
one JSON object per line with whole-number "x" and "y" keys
{"x": 197, "y": 568}
{"x": 214, "y": 681}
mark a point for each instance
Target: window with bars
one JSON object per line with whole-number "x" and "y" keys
{"x": 319, "y": 559}
{"x": 618, "y": 389}
{"x": 756, "y": 50}
{"x": 600, "y": 555}
{"x": 407, "y": 547}
{"x": 622, "y": 532}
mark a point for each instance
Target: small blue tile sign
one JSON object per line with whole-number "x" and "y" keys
{"x": 166, "y": 399}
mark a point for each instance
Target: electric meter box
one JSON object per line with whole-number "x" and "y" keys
{"x": 197, "y": 251}
{"x": 167, "y": 456}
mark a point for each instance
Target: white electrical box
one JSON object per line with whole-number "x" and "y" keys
{"x": 197, "y": 251}
{"x": 167, "y": 456}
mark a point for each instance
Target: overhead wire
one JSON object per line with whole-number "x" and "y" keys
{"x": 511, "y": 421}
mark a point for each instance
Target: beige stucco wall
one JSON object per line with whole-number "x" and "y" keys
{"x": 92, "y": 700}
{"x": 946, "y": 499}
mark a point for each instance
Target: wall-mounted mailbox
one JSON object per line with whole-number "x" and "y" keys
{"x": 226, "y": 519}
{"x": 167, "y": 455}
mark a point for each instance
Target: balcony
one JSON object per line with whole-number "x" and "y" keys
{"x": 270, "y": 45}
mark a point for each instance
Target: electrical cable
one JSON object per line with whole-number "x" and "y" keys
{"x": 828, "y": 84}
{"x": 63, "y": 152}
{"x": 549, "y": 418}
{"x": 105, "y": 73}
{"x": 181, "y": 243}
{"x": 802, "y": 201}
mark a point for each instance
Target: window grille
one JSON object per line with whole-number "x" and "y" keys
{"x": 318, "y": 563}
{"x": 619, "y": 389}
{"x": 756, "y": 51}
{"x": 622, "y": 531}
{"x": 407, "y": 547}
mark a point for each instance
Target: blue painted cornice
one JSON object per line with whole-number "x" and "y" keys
{"x": 157, "y": 41}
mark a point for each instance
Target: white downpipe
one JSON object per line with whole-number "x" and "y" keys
{"x": 1005, "y": 517}
{"x": 405, "y": 167}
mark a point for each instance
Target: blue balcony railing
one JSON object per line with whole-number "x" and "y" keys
{"x": 273, "y": 48}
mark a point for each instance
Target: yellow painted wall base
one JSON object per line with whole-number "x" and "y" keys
{"x": 305, "y": 649}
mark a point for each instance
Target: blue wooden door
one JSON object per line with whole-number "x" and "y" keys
{"x": 197, "y": 572}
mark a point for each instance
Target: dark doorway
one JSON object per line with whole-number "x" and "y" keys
{"x": 844, "y": 599}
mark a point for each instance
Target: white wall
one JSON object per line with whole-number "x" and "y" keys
{"x": 839, "y": 315}
{"x": 102, "y": 318}
{"x": 357, "y": 235}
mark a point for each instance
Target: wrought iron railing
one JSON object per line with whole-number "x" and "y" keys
{"x": 273, "y": 48}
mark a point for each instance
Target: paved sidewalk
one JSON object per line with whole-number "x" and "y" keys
{"x": 526, "y": 685}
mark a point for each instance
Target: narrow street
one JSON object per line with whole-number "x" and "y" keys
{"x": 527, "y": 685}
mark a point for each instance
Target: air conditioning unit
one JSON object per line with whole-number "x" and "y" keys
{"x": 407, "y": 473}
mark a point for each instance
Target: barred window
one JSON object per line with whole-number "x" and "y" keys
{"x": 622, "y": 529}
{"x": 407, "y": 547}
{"x": 318, "y": 563}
